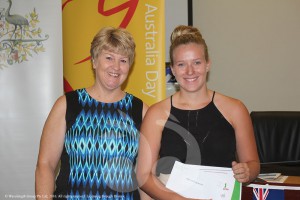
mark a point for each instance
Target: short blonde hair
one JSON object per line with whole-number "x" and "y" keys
{"x": 117, "y": 40}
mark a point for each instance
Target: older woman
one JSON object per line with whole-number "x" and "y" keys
{"x": 94, "y": 131}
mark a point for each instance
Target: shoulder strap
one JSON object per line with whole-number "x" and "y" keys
{"x": 212, "y": 99}
{"x": 72, "y": 107}
{"x": 137, "y": 111}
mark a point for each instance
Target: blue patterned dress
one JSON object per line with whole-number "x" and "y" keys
{"x": 100, "y": 148}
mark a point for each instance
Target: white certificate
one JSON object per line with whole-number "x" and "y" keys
{"x": 204, "y": 182}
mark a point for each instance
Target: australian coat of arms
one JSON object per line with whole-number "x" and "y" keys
{"x": 20, "y": 36}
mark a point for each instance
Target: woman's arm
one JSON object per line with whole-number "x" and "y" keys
{"x": 51, "y": 146}
{"x": 247, "y": 168}
{"x": 143, "y": 195}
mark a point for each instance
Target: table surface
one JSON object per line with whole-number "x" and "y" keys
{"x": 247, "y": 192}
{"x": 293, "y": 180}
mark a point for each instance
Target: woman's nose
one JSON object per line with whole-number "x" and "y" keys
{"x": 189, "y": 69}
{"x": 116, "y": 65}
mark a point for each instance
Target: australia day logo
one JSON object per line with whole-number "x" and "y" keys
{"x": 20, "y": 36}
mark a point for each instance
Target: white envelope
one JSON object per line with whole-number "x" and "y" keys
{"x": 202, "y": 182}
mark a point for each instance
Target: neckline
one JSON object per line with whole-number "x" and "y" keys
{"x": 84, "y": 89}
{"x": 193, "y": 110}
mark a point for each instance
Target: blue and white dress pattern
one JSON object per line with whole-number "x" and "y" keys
{"x": 100, "y": 149}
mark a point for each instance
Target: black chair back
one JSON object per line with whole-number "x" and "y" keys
{"x": 277, "y": 135}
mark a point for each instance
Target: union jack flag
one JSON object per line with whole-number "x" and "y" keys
{"x": 260, "y": 193}
{"x": 267, "y": 194}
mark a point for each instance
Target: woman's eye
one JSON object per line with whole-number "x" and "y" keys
{"x": 198, "y": 63}
{"x": 180, "y": 64}
{"x": 108, "y": 58}
{"x": 124, "y": 61}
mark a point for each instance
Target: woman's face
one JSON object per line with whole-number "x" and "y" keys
{"x": 190, "y": 67}
{"x": 111, "y": 69}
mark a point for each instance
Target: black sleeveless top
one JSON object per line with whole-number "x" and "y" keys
{"x": 100, "y": 148}
{"x": 202, "y": 137}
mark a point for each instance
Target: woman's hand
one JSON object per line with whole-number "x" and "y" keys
{"x": 241, "y": 172}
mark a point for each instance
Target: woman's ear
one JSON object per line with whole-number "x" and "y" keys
{"x": 93, "y": 64}
{"x": 208, "y": 66}
{"x": 172, "y": 70}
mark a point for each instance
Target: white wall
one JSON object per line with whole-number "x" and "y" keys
{"x": 176, "y": 12}
{"x": 254, "y": 48}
